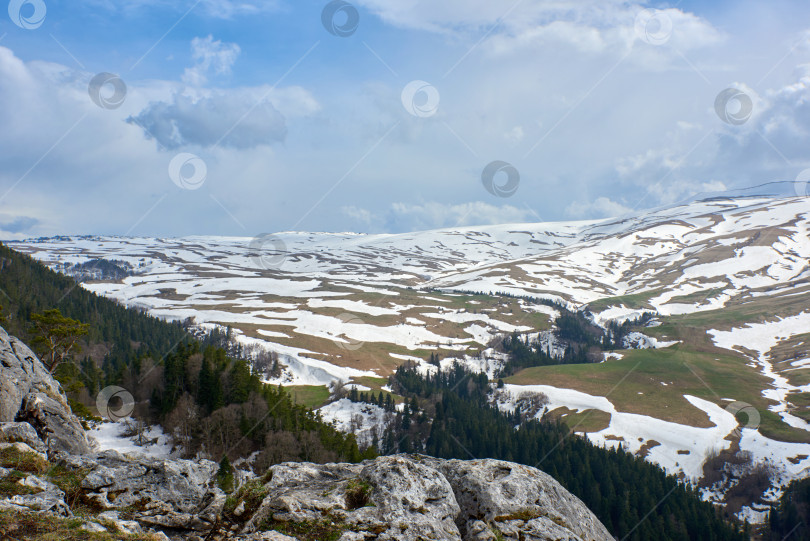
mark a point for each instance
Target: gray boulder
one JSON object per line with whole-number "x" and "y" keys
{"x": 388, "y": 498}
{"x": 164, "y": 493}
{"x": 518, "y": 501}
{"x": 21, "y": 432}
{"x": 411, "y": 497}
{"x": 28, "y": 393}
{"x": 45, "y": 497}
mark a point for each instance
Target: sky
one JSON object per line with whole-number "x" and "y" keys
{"x": 241, "y": 117}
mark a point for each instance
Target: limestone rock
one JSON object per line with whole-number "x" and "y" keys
{"x": 410, "y": 497}
{"x": 28, "y": 393}
{"x": 21, "y": 432}
{"x": 123, "y": 526}
{"x": 265, "y": 536}
{"x": 48, "y": 498}
{"x": 514, "y": 498}
{"x": 21, "y": 447}
{"x": 167, "y": 493}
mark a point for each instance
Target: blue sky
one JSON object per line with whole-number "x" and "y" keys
{"x": 242, "y": 117}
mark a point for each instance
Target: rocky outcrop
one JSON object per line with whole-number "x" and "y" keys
{"x": 28, "y": 393}
{"x": 516, "y": 500}
{"x": 411, "y": 497}
{"x": 38, "y": 494}
{"x": 164, "y": 493}
{"x": 401, "y": 497}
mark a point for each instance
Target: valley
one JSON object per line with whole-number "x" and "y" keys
{"x": 723, "y": 363}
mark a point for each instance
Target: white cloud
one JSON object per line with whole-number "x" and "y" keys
{"x": 770, "y": 146}
{"x": 565, "y": 91}
{"x": 16, "y": 226}
{"x": 590, "y": 26}
{"x": 234, "y": 119}
{"x": 210, "y": 56}
{"x": 360, "y": 215}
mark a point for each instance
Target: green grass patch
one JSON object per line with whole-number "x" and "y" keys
{"x": 697, "y": 297}
{"x": 310, "y": 530}
{"x": 634, "y": 301}
{"x": 22, "y": 460}
{"x": 311, "y": 396}
{"x": 375, "y": 384}
{"x": 358, "y": 494}
{"x": 10, "y": 486}
{"x": 634, "y": 384}
{"x": 69, "y": 481}
{"x": 583, "y": 421}
{"x": 42, "y": 527}
{"x": 251, "y": 493}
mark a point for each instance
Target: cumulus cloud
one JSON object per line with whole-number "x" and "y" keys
{"x": 210, "y": 56}
{"x": 234, "y": 119}
{"x": 769, "y": 146}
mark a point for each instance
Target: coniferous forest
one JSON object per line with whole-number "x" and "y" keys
{"x": 448, "y": 415}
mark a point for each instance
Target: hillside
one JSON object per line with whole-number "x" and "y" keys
{"x": 58, "y": 483}
{"x": 725, "y": 281}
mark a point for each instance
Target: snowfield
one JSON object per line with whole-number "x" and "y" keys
{"x": 323, "y": 300}
{"x": 362, "y": 420}
{"x": 111, "y": 436}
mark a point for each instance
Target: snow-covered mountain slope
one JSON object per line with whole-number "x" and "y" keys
{"x": 728, "y": 279}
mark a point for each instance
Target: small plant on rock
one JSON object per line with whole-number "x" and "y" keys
{"x": 357, "y": 494}
{"x": 225, "y": 475}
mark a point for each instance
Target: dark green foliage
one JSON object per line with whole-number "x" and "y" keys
{"x": 225, "y": 475}
{"x": 790, "y": 519}
{"x": 575, "y": 328}
{"x": 386, "y": 403}
{"x": 56, "y": 337}
{"x": 616, "y": 332}
{"x": 620, "y": 488}
{"x": 525, "y": 354}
